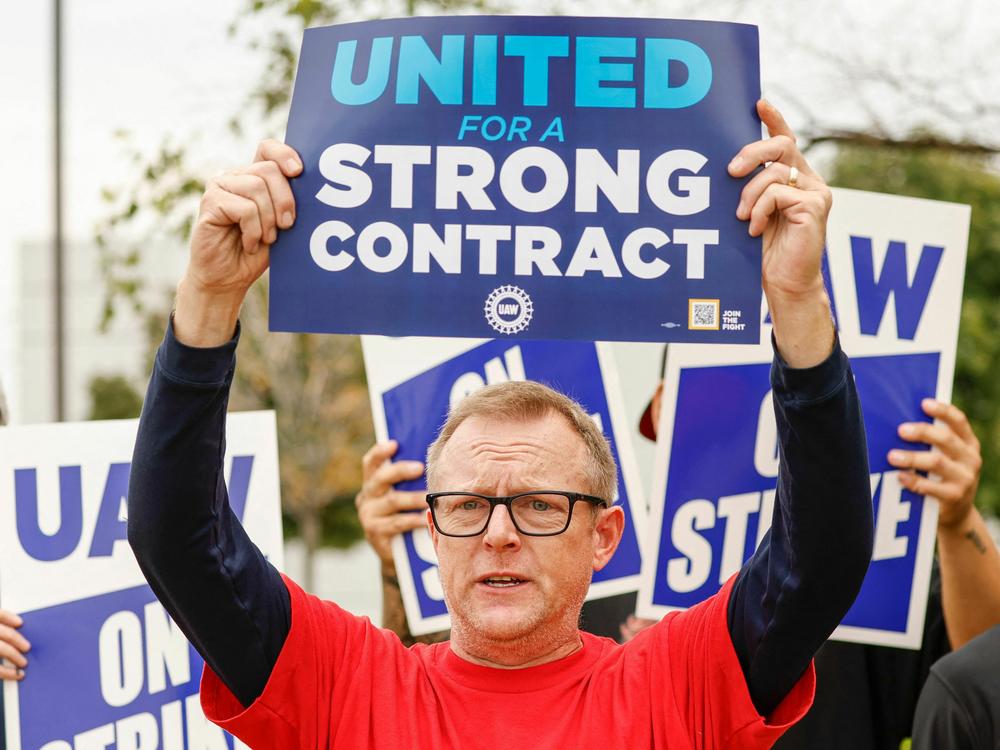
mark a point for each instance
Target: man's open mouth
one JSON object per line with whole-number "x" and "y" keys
{"x": 503, "y": 581}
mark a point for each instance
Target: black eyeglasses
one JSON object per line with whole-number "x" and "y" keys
{"x": 537, "y": 513}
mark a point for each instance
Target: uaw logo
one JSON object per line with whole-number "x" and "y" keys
{"x": 508, "y": 309}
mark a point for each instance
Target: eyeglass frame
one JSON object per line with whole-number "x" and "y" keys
{"x": 494, "y": 501}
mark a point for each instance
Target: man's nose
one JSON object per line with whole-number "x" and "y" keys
{"x": 500, "y": 531}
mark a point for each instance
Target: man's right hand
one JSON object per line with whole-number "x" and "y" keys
{"x": 240, "y": 215}
{"x": 383, "y": 509}
{"x": 13, "y": 647}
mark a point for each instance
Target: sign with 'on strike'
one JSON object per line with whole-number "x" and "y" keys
{"x": 107, "y": 666}
{"x": 545, "y": 178}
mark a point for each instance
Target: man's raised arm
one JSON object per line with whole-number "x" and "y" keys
{"x": 805, "y": 575}
{"x": 214, "y": 582}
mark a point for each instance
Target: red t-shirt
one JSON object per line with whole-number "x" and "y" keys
{"x": 342, "y": 682}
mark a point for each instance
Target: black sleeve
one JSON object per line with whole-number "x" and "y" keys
{"x": 230, "y": 602}
{"x": 806, "y": 573}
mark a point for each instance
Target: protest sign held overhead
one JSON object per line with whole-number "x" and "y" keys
{"x": 414, "y": 382}
{"x": 894, "y": 269}
{"x": 108, "y": 667}
{"x": 543, "y": 178}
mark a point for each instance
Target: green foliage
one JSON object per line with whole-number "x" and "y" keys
{"x": 948, "y": 176}
{"x": 113, "y": 397}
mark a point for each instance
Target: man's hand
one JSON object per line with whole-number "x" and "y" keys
{"x": 969, "y": 560}
{"x": 792, "y": 220}
{"x": 13, "y": 647}
{"x": 240, "y": 215}
{"x": 955, "y": 461}
{"x": 383, "y": 509}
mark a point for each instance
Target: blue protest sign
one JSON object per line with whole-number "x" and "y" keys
{"x": 104, "y": 652}
{"x": 895, "y": 268}
{"x": 546, "y": 178}
{"x": 411, "y": 399}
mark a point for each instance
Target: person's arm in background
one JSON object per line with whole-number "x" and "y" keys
{"x": 13, "y": 647}
{"x": 969, "y": 560}
{"x": 385, "y": 512}
{"x": 799, "y": 584}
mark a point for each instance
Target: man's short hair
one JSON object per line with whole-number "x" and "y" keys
{"x": 523, "y": 401}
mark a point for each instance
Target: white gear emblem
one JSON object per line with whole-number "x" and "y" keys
{"x": 508, "y": 309}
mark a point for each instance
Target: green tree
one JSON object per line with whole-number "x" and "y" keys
{"x": 961, "y": 177}
{"x": 113, "y": 397}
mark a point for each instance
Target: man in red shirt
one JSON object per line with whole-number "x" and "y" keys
{"x": 520, "y": 515}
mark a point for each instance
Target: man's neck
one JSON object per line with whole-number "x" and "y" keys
{"x": 515, "y": 654}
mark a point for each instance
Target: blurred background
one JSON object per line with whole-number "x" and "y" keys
{"x": 114, "y": 113}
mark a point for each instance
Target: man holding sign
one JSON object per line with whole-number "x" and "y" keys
{"x": 520, "y": 516}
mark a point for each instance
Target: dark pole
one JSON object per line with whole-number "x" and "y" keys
{"x": 57, "y": 191}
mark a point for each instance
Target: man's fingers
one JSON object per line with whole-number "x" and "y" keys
{"x": 780, "y": 148}
{"x": 774, "y": 198}
{"x": 226, "y": 210}
{"x": 14, "y": 656}
{"x": 953, "y": 417}
{"x": 376, "y": 455}
{"x": 773, "y": 119}
{"x": 949, "y": 492}
{"x": 281, "y": 154}
{"x": 10, "y": 673}
{"x": 940, "y": 436}
{"x": 13, "y": 638}
{"x": 933, "y": 462}
{"x": 390, "y": 504}
{"x": 254, "y": 188}
{"x": 775, "y": 173}
{"x": 280, "y": 191}
{"x": 9, "y": 618}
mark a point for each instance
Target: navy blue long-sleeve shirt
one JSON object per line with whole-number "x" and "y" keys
{"x": 235, "y": 609}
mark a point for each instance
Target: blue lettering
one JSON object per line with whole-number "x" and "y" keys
{"x": 39, "y": 545}
{"x": 470, "y": 123}
{"x": 418, "y": 63}
{"x": 591, "y": 71}
{"x": 658, "y": 92}
{"x": 873, "y": 296}
{"x": 554, "y": 130}
{"x": 342, "y": 85}
{"x": 484, "y": 70}
{"x": 536, "y": 51}
{"x": 110, "y": 527}
{"x": 519, "y": 125}
{"x": 239, "y": 484}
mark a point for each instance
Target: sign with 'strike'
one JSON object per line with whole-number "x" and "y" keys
{"x": 547, "y": 178}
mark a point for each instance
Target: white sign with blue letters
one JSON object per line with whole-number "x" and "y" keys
{"x": 894, "y": 270}
{"x": 107, "y": 666}
{"x": 414, "y": 381}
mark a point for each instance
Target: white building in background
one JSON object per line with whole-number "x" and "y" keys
{"x": 122, "y": 350}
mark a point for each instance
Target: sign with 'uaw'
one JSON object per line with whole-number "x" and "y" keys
{"x": 414, "y": 382}
{"x": 894, "y": 272}
{"x": 547, "y": 178}
{"x": 107, "y": 666}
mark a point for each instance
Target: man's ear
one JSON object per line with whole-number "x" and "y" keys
{"x": 431, "y": 530}
{"x": 608, "y": 529}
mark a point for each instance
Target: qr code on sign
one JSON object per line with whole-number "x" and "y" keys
{"x": 703, "y": 314}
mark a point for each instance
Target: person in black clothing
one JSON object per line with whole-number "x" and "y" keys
{"x": 959, "y": 707}
{"x": 235, "y": 608}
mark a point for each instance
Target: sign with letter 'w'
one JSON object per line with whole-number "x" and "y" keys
{"x": 107, "y": 667}
{"x": 894, "y": 273}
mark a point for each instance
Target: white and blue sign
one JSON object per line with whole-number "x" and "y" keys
{"x": 107, "y": 667}
{"x": 413, "y": 384}
{"x": 544, "y": 178}
{"x": 894, "y": 272}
